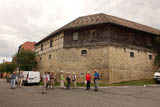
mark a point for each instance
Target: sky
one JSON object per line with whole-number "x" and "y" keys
{"x": 32, "y": 20}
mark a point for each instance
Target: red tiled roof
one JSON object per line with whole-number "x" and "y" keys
{"x": 28, "y": 46}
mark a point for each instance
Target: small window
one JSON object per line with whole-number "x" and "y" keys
{"x": 150, "y": 57}
{"x": 131, "y": 54}
{"x": 41, "y": 46}
{"x": 84, "y": 52}
{"x": 40, "y": 58}
{"x": 149, "y": 41}
{"x": 93, "y": 33}
{"x": 75, "y": 36}
{"x": 51, "y": 43}
{"x": 49, "y": 56}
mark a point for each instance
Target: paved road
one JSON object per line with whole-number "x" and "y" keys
{"x": 30, "y": 96}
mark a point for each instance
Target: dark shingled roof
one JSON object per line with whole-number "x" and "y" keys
{"x": 100, "y": 19}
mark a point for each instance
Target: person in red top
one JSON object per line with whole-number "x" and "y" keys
{"x": 88, "y": 79}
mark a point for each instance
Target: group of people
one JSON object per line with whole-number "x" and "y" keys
{"x": 95, "y": 79}
{"x": 49, "y": 78}
{"x": 48, "y": 81}
{"x": 16, "y": 78}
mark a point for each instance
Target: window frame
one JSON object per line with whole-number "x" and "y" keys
{"x": 41, "y": 46}
{"x": 51, "y": 43}
{"x": 50, "y": 57}
{"x": 75, "y": 36}
{"x": 93, "y": 33}
{"x": 132, "y": 54}
{"x": 84, "y": 52}
{"x": 150, "y": 57}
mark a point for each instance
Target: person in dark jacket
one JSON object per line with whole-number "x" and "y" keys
{"x": 88, "y": 79}
{"x": 52, "y": 78}
{"x": 13, "y": 80}
{"x": 68, "y": 79}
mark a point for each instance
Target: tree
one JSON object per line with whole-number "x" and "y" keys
{"x": 2, "y": 68}
{"x": 7, "y": 67}
{"x": 25, "y": 60}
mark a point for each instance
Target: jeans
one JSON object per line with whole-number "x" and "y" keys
{"x": 96, "y": 84}
{"x": 13, "y": 83}
{"x": 47, "y": 84}
{"x": 88, "y": 85}
{"x": 68, "y": 84}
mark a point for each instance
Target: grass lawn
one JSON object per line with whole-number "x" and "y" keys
{"x": 134, "y": 83}
{"x": 126, "y": 83}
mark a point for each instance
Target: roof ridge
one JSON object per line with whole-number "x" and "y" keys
{"x": 133, "y": 22}
{"x": 92, "y": 15}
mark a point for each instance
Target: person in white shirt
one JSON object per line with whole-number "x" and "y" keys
{"x": 48, "y": 82}
{"x": 74, "y": 77}
{"x": 46, "y": 79}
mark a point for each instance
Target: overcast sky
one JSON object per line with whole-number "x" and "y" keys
{"x": 32, "y": 20}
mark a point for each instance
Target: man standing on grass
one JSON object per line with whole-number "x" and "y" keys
{"x": 96, "y": 78}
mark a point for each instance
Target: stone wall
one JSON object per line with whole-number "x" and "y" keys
{"x": 113, "y": 63}
{"x": 71, "y": 60}
{"x": 122, "y": 67}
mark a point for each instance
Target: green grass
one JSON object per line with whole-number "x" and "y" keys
{"x": 126, "y": 83}
{"x": 134, "y": 83}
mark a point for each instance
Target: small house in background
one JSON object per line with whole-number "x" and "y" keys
{"x": 119, "y": 49}
{"x": 27, "y": 46}
{"x": 30, "y": 46}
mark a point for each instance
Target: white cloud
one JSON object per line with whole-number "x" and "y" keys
{"x": 32, "y": 20}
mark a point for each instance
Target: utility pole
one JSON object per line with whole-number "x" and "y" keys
{"x": 3, "y": 61}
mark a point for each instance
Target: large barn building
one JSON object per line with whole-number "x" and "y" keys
{"x": 119, "y": 49}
